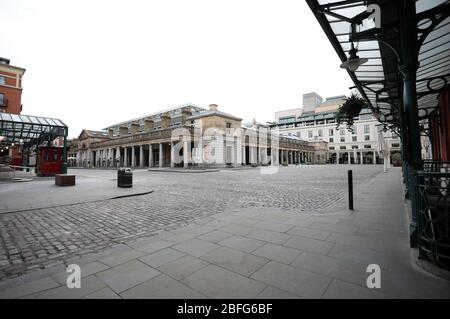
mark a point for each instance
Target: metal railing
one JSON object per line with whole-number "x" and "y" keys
{"x": 436, "y": 166}
{"x": 433, "y": 218}
{"x": 26, "y": 169}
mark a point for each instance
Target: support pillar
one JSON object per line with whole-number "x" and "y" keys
{"x": 150, "y": 155}
{"x": 161, "y": 157}
{"x": 133, "y": 157}
{"x": 172, "y": 154}
{"x": 141, "y": 156}
{"x": 186, "y": 153}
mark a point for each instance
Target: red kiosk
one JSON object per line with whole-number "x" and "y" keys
{"x": 49, "y": 160}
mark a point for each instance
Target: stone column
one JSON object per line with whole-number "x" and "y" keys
{"x": 150, "y": 155}
{"x": 348, "y": 157}
{"x": 374, "y": 157}
{"x": 133, "y": 157}
{"x": 355, "y": 157}
{"x": 141, "y": 156}
{"x": 186, "y": 153}
{"x": 244, "y": 158}
{"x": 117, "y": 155}
{"x": 161, "y": 157}
{"x": 362, "y": 159}
{"x": 172, "y": 155}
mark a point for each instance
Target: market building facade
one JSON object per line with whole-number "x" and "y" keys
{"x": 190, "y": 136}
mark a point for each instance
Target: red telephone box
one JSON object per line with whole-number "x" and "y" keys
{"x": 49, "y": 161}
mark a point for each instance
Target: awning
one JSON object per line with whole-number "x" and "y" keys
{"x": 378, "y": 80}
{"x": 29, "y": 130}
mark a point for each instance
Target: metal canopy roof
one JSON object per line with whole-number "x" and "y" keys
{"x": 29, "y": 130}
{"x": 378, "y": 80}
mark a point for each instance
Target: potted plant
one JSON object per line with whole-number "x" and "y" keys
{"x": 349, "y": 110}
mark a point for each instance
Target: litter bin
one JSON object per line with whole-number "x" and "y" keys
{"x": 124, "y": 177}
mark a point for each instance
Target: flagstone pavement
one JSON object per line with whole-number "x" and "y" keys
{"x": 256, "y": 252}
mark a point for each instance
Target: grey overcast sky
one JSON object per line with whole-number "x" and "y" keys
{"x": 93, "y": 63}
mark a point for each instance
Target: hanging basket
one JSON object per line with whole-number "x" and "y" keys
{"x": 349, "y": 110}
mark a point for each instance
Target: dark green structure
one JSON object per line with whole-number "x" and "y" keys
{"x": 407, "y": 47}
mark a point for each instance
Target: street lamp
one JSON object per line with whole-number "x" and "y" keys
{"x": 353, "y": 62}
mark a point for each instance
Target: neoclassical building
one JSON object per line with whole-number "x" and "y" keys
{"x": 316, "y": 121}
{"x": 191, "y": 136}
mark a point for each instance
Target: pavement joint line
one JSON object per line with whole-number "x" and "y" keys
{"x": 77, "y": 203}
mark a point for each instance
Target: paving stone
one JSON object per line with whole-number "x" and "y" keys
{"x": 122, "y": 257}
{"x": 125, "y": 276}
{"x": 269, "y": 236}
{"x": 333, "y": 267}
{"x": 359, "y": 241}
{"x": 216, "y": 282}
{"x": 308, "y": 232}
{"x": 161, "y": 257}
{"x": 344, "y": 290}
{"x": 360, "y": 255}
{"x": 86, "y": 270}
{"x": 332, "y": 227}
{"x": 88, "y": 285}
{"x": 309, "y": 244}
{"x": 237, "y": 229}
{"x": 161, "y": 287}
{"x": 300, "y": 282}
{"x": 275, "y": 293}
{"x": 28, "y": 288}
{"x": 215, "y": 236}
{"x": 154, "y": 246}
{"x": 182, "y": 267}
{"x": 274, "y": 226}
{"x": 105, "y": 293}
{"x": 234, "y": 260}
{"x": 195, "y": 247}
{"x": 277, "y": 252}
{"x": 241, "y": 243}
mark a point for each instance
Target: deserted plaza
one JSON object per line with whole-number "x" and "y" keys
{"x": 230, "y": 233}
{"x": 126, "y": 190}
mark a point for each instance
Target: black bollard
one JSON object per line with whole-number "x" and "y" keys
{"x": 350, "y": 189}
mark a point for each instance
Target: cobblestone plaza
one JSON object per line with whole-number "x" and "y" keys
{"x": 231, "y": 233}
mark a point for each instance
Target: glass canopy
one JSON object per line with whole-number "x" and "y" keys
{"x": 378, "y": 78}
{"x": 29, "y": 130}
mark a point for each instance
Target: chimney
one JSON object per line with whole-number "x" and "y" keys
{"x": 135, "y": 127}
{"x": 123, "y": 130}
{"x": 165, "y": 120}
{"x": 4, "y": 61}
{"x": 149, "y": 124}
{"x": 213, "y": 107}
{"x": 110, "y": 132}
{"x": 185, "y": 113}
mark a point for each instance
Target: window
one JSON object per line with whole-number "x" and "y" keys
{"x": 331, "y": 148}
{"x": 310, "y": 134}
{"x": 342, "y": 139}
{"x": 2, "y": 80}
{"x": 354, "y": 138}
{"x": 320, "y": 133}
{"x": 354, "y": 147}
{"x": 330, "y": 132}
{"x": 354, "y": 130}
{"x": 395, "y": 145}
{"x": 342, "y": 131}
{"x": 394, "y": 136}
{"x": 366, "y": 129}
{"x": 366, "y": 137}
{"x": 2, "y": 99}
{"x": 331, "y": 140}
{"x": 228, "y": 125}
{"x": 367, "y": 146}
{"x": 343, "y": 147}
